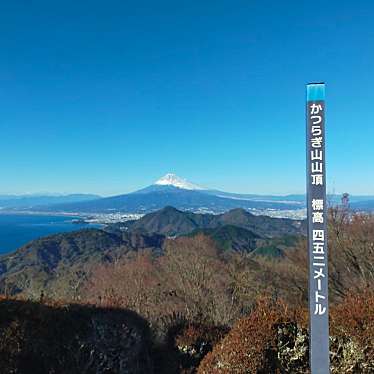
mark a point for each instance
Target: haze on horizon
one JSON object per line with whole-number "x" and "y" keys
{"x": 108, "y": 99}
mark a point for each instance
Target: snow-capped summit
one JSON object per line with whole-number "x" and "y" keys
{"x": 173, "y": 180}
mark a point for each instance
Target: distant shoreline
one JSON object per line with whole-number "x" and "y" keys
{"x": 37, "y": 213}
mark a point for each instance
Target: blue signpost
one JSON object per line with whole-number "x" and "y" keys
{"x": 317, "y": 230}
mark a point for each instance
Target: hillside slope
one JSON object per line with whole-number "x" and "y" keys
{"x": 58, "y": 264}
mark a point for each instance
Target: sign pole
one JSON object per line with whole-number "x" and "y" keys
{"x": 317, "y": 230}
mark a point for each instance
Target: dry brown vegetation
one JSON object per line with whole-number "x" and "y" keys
{"x": 193, "y": 279}
{"x": 351, "y": 244}
{"x": 274, "y": 339}
{"x": 251, "y": 346}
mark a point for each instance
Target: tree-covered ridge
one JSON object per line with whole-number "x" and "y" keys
{"x": 173, "y": 222}
{"x": 58, "y": 264}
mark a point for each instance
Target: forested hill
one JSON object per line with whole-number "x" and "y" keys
{"x": 173, "y": 222}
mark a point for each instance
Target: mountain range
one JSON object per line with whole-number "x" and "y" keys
{"x": 174, "y": 191}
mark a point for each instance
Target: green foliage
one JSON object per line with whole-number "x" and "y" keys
{"x": 230, "y": 238}
{"x": 276, "y": 247}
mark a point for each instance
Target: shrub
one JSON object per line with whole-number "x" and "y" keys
{"x": 353, "y": 322}
{"x": 250, "y": 347}
{"x": 274, "y": 339}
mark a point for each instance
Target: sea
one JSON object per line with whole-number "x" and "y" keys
{"x": 18, "y": 229}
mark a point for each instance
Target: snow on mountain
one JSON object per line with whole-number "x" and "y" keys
{"x": 173, "y": 180}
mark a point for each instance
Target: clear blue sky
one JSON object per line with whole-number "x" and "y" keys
{"x": 107, "y": 96}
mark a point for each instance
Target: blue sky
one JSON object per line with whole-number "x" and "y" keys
{"x": 106, "y": 97}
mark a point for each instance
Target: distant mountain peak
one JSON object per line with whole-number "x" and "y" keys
{"x": 171, "y": 179}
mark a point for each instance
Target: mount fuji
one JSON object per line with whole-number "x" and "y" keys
{"x": 173, "y": 180}
{"x": 171, "y": 190}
